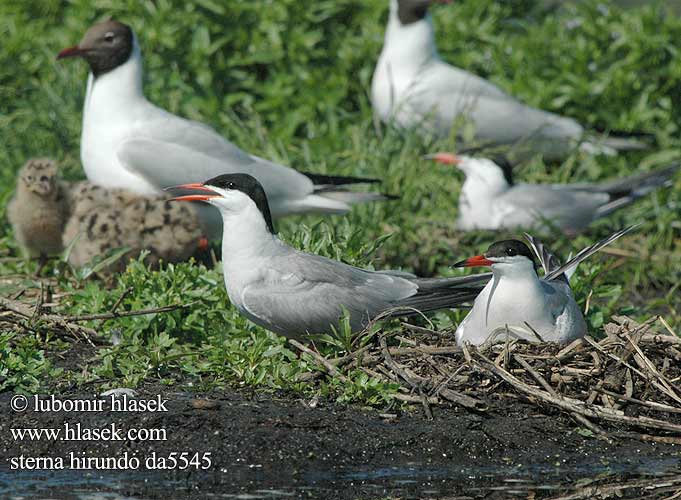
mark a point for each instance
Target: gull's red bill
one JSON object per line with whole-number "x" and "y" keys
{"x": 74, "y": 51}
{"x": 477, "y": 261}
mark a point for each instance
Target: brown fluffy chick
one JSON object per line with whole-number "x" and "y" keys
{"x": 103, "y": 219}
{"x": 39, "y": 209}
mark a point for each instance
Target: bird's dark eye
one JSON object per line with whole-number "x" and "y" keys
{"x": 109, "y": 37}
{"x": 29, "y": 178}
{"x": 510, "y": 252}
{"x": 231, "y": 185}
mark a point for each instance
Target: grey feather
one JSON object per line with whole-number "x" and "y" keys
{"x": 587, "y": 252}
{"x": 547, "y": 259}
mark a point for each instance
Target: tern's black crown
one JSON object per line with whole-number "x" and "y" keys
{"x": 510, "y": 248}
{"x": 506, "y": 167}
{"x": 248, "y": 185}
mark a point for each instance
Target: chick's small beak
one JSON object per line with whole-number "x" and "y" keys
{"x": 477, "y": 261}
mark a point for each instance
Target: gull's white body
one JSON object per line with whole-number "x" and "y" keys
{"x": 518, "y": 304}
{"x": 413, "y": 87}
{"x": 127, "y": 142}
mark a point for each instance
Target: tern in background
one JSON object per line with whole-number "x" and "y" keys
{"x": 517, "y": 303}
{"x": 127, "y": 142}
{"x": 293, "y": 293}
{"x": 491, "y": 200}
{"x": 414, "y": 88}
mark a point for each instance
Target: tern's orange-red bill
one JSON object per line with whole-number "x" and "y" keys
{"x": 477, "y": 261}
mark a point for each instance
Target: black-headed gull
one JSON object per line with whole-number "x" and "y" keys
{"x": 128, "y": 142}
{"x": 414, "y": 88}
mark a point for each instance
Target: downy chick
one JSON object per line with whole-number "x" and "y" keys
{"x": 39, "y": 209}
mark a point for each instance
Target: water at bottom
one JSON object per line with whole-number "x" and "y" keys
{"x": 649, "y": 478}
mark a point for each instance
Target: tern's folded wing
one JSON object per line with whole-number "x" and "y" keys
{"x": 563, "y": 208}
{"x": 310, "y": 301}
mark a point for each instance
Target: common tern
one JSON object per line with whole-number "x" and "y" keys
{"x": 517, "y": 303}
{"x": 490, "y": 199}
{"x": 414, "y": 88}
{"x": 293, "y": 293}
{"x": 128, "y": 142}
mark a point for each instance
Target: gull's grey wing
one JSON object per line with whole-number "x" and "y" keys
{"x": 499, "y": 117}
{"x": 170, "y": 150}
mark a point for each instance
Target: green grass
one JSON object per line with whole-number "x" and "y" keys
{"x": 291, "y": 84}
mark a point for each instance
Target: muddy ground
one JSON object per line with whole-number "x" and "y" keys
{"x": 278, "y": 441}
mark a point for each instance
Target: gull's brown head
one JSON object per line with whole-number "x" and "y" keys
{"x": 105, "y": 46}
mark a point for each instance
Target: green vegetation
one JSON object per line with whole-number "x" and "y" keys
{"x": 291, "y": 84}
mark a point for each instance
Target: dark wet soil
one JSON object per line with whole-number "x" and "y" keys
{"x": 281, "y": 443}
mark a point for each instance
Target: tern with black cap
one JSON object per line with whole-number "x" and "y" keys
{"x": 128, "y": 142}
{"x": 293, "y": 293}
{"x": 413, "y": 87}
{"x": 517, "y": 303}
{"x": 490, "y": 199}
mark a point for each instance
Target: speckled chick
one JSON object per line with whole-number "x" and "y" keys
{"x": 39, "y": 209}
{"x": 104, "y": 219}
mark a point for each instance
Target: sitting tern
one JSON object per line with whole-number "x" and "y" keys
{"x": 128, "y": 142}
{"x": 517, "y": 303}
{"x": 491, "y": 200}
{"x": 414, "y": 88}
{"x": 293, "y": 293}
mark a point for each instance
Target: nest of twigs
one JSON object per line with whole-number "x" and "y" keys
{"x": 625, "y": 385}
